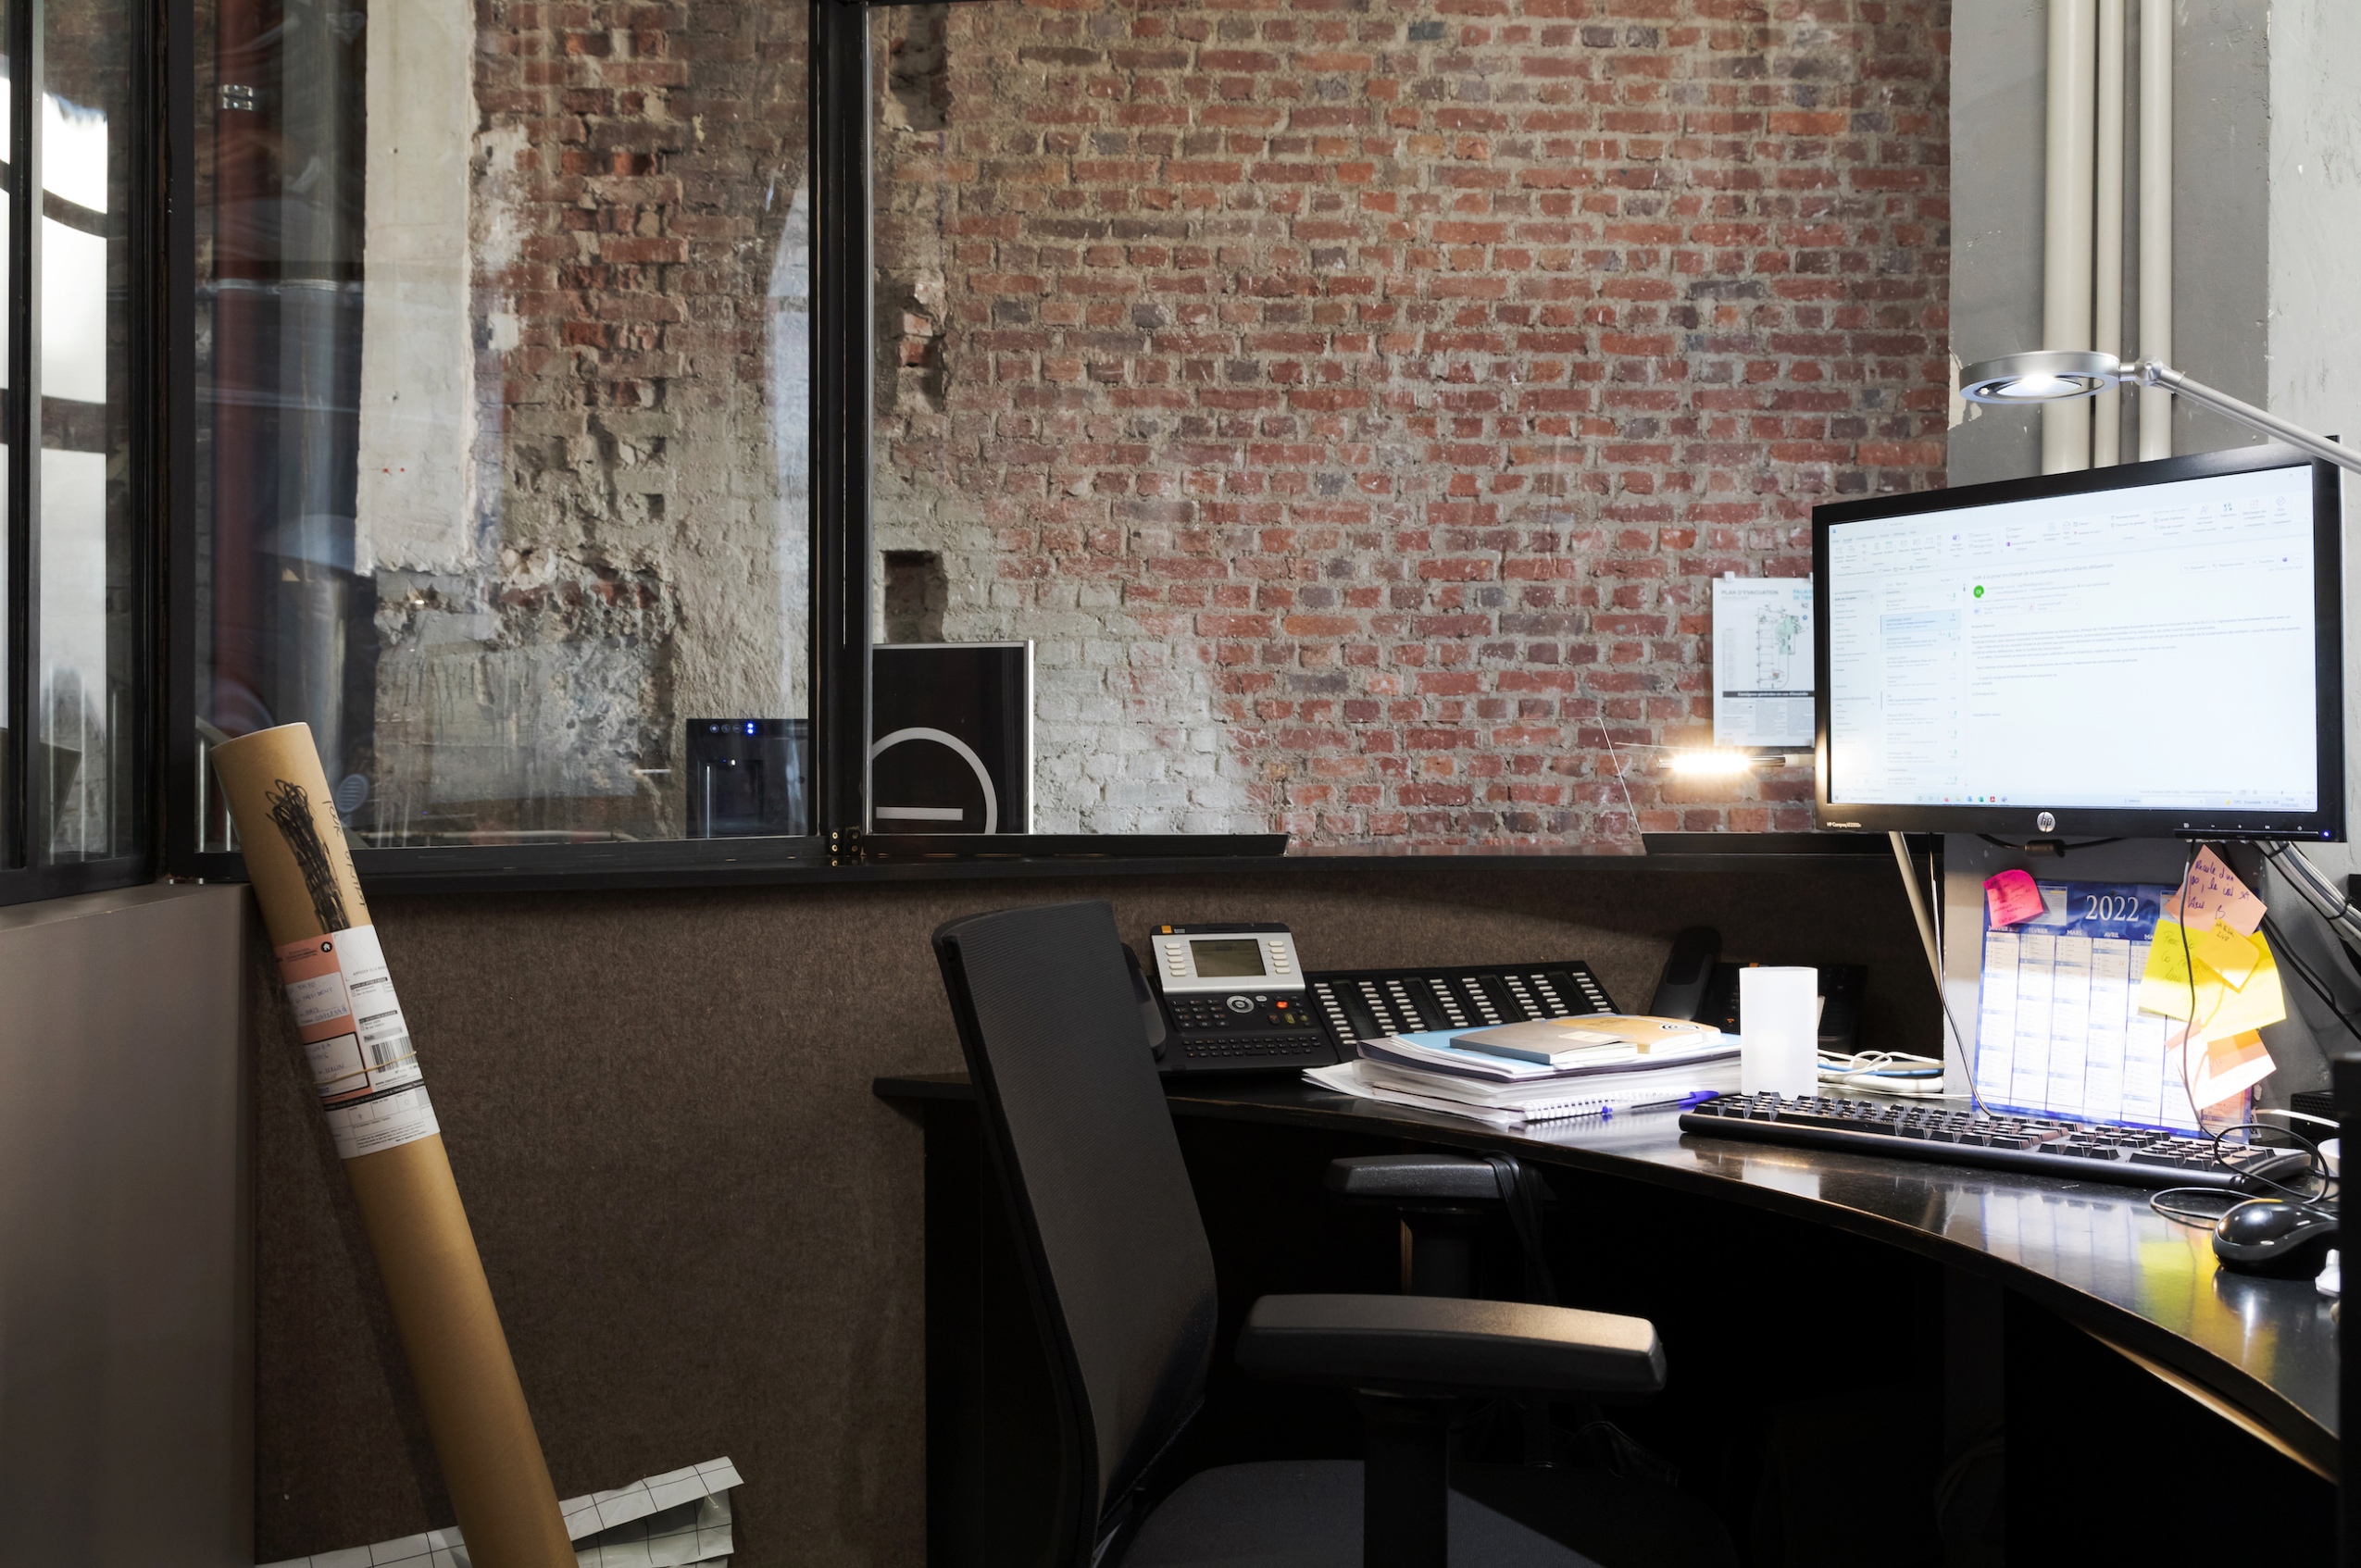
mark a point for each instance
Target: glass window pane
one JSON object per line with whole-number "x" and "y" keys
{"x": 1205, "y": 373}
{"x": 85, "y": 719}
{"x": 1352, "y": 406}
{"x": 504, "y": 413}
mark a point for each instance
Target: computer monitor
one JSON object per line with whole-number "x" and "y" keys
{"x": 2152, "y": 650}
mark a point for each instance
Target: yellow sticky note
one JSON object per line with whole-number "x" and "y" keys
{"x": 2164, "y": 983}
{"x": 2260, "y": 1000}
{"x": 2233, "y": 956}
{"x": 2219, "y": 1009}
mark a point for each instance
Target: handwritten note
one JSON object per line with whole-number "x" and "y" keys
{"x": 2259, "y": 1002}
{"x": 2012, "y": 898}
{"x": 2212, "y": 891}
{"x": 2228, "y": 954}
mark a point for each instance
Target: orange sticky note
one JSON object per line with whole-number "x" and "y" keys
{"x": 2221, "y": 1069}
{"x": 2212, "y": 891}
{"x": 2012, "y": 898}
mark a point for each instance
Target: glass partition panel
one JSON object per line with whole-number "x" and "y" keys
{"x": 504, "y": 413}
{"x": 1352, "y": 409}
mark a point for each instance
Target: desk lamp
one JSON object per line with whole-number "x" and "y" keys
{"x": 2053, "y": 376}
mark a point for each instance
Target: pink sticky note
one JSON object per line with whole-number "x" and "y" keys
{"x": 2013, "y": 897}
{"x": 2213, "y": 892}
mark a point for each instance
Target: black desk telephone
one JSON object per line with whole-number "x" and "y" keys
{"x": 1234, "y": 998}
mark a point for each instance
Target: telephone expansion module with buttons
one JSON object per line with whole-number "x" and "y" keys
{"x": 1234, "y": 998}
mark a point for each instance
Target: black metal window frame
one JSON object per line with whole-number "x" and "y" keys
{"x": 24, "y": 876}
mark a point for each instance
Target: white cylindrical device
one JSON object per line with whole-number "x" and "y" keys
{"x": 1778, "y": 1034}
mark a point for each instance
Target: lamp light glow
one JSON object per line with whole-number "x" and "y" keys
{"x": 1715, "y": 764}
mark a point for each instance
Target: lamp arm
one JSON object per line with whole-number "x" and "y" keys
{"x": 2156, "y": 373}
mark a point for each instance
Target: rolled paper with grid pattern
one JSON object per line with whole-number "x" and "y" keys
{"x": 370, "y": 1087}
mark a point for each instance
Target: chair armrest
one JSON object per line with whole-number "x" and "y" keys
{"x": 1433, "y": 1345}
{"x": 1454, "y": 1178}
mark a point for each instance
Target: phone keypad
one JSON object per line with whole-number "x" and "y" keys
{"x": 1243, "y": 1013}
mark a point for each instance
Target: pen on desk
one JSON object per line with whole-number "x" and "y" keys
{"x": 1694, "y": 1096}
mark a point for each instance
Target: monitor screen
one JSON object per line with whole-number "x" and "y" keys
{"x": 1229, "y": 957}
{"x": 2147, "y": 649}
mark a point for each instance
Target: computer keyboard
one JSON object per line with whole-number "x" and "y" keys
{"x": 2077, "y": 1150}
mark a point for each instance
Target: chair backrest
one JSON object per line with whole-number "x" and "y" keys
{"x": 1075, "y": 1121}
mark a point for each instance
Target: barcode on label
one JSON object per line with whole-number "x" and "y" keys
{"x": 386, "y": 1050}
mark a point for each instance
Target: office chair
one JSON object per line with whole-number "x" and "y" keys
{"x": 1115, "y": 1254}
{"x": 1443, "y": 1201}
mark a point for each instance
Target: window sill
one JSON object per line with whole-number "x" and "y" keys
{"x": 727, "y": 863}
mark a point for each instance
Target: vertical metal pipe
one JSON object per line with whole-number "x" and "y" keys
{"x": 2106, "y": 328}
{"x": 2066, "y": 217}
{"x": 2155, "y": 218}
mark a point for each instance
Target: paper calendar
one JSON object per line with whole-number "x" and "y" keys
{"x": 2059, "y": 1032}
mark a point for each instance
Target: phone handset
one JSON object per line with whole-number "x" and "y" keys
{"x": 1151, "y": 1010}
{"x": 1688, "y": 974}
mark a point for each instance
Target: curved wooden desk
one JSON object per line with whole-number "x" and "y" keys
{"x": 2092, "y": 1252}
{"x": 2260, "y": 1353}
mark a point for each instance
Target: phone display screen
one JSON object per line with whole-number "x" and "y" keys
{"x": 1227, "y": 958}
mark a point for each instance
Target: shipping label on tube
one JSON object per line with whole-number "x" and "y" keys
{"x": 362, "y": 1066}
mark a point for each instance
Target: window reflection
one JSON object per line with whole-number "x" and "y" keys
{"x": 505, "y": 409}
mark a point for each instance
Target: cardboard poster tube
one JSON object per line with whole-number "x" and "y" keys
{"x": 376, "y": 1103}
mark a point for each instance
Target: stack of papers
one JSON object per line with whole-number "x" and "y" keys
{"x": 669, "y": 1521}
{"x": 1619, "y": 1064}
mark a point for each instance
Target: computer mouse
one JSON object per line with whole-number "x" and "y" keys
{"x": 2273, "y": 1236}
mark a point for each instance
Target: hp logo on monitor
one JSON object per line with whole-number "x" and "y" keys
{"x": 2046, "y": 822}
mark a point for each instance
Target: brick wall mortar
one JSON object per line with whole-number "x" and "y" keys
{"x": 1357, "y": 402}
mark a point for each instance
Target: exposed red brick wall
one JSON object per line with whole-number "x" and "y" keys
{"x": 1380, "y": 388}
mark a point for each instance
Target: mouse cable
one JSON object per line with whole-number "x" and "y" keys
{"x": 2298, "y": 1116}
{"x": 1887, "y": 1072}
{"x": 2316, "y": 1164}
{"x": 2189, "y": 1046}
{"x": 2317, "y": 1169}
{"x": 2195, "y": 1217}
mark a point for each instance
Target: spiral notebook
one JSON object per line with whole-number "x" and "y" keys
{"x": 1514, "y": 1105}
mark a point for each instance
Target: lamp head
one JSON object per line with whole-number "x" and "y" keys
{"x": 2049, "y": 376}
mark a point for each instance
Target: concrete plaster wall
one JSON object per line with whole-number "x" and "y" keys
{"x": 2223, "y": 222}
{"x": 2314, "y": 333}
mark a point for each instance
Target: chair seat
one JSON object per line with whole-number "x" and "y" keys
{"x": 1307, "y": 1513}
